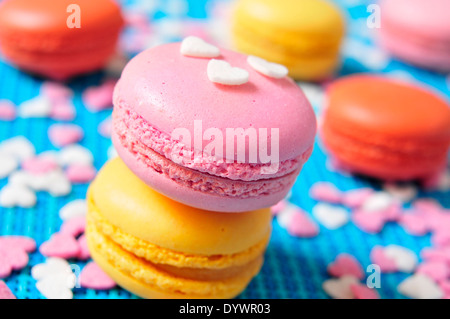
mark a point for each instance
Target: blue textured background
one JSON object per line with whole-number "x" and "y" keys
{"x": 294, "y": 268}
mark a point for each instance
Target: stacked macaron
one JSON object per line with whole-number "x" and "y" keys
{"x": 303, "y": 35}
{"x": 179, "y": 215}
{"x": 59, "y": 39}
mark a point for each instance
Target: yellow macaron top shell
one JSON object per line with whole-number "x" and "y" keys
{"x": 315, "y": 17}
{"x": 128, "y": 203}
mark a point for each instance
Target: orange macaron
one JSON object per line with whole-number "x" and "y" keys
{"x": 59, "y": 39}
{"x": 386, "y": 129}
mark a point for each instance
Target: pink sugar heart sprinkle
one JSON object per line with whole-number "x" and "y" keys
{"x": 39, "y": 165}
{"x": 60, "y": 245}
{"x": 84, "y": 254}
{"x": 7, "y": 110}
{"x": 13, "y": 253}
{"x": 5, "y": 292}
{"x": 93, "y": 277}
{"x": 393, "y": 212}
{"x": 445, "y": 286}
{"x": 436, "y": 270}
{"x": 18, "y": 242}
{"x": 378, "y": 257}
{"x": 65, "y": 134}
{"x": 441, "y": 254}
{"x": 326, "y": 192}
{"x": 99, "y": 98}
{"x": 441, "y": 238}
{"x": 105, "y": 128}
{"x": 63, "y": 111}
{"x": 56, "y": 91}
{"x": 371, "y": 223}
{"x": 74, "y": 226}
{"x": 80, "y": 174}
{"x": 275, "y": 209}
{"x": 360, "y": 291}
{"x": 302, "y": 226}
{"x": 414, "y": 224}
{"x": 346, "y": 264}
{"x": 427, "y": 205}
{"x": 355, "y": 198}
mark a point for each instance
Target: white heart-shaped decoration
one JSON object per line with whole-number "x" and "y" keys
{"x": 223, "y": 73}
{"x": 13, "y": 195}
{"x": 55, "y": 278}
{"x": 331, "y": 217}
{"x": 196, "y": 47}
{"x": 377, "y": 202}
{"x": 340, "y": 288}
{"x": 405, "y": 259}
{"x": 35, "y": 108}
{"x": 419, "y": 286}
{"x": 75, "y": 208}
{"x": 405, "y": 193}
{"x": 7, "y": 165}
{"x": 18, "y": 147}
{"x": 267, "y": 68}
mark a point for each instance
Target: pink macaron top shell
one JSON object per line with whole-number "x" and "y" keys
{"x": 428, "y": 18}
{"x": 171, "y": 91}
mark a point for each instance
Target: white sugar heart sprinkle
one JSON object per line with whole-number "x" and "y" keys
{"x": 51, "y": 266}
{"x": 379, "y": 201}
{"x": 223, "y": 73}
{"x": 17, "y": 196}
{"x": 55, "y": 182}
{"x": 331, "y": 217}
{"x": 405, "y": 259}
{"x": 7, "y": 165}
{"x": 267, "y": 68}
{"x": 196, "y": 47}
{"x": 55, "y": 278}
{"x": 18, "y": 147}
{"x": 284, "y": 217}
{"x": 73, "y": 209}
{"x": 419, "y": 286}
{"x": 340, "y": 288}
{"x": 405, "y": 193}
{"x": 75, "y": 154}
{"x": 39, "y": 106}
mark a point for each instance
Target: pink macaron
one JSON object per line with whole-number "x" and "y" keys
{"x": 212, "y": 132}
{"x": 417, "y": 32}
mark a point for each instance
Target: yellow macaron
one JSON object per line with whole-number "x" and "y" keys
{"x": 303, "y": 35}
{"x": 158, "y": 248}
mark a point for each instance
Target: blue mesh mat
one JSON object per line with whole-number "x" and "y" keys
{"x": 294, "y": 267}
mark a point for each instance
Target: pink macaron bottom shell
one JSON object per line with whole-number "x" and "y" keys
{"x": 420, "y": 51}
{"x": 128, "y": 122}
{"x": 199, "y": 189}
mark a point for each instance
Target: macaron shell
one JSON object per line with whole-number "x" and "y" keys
{"x": 142, "y": 212}
{"x": 171, "y": 91}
